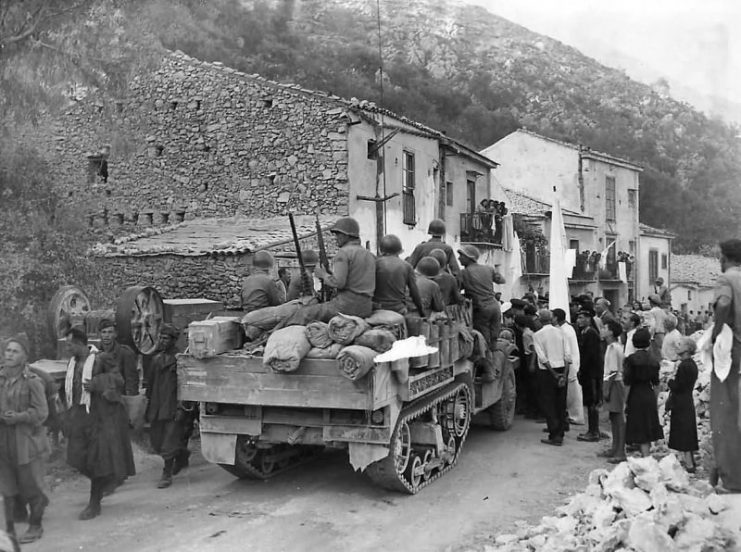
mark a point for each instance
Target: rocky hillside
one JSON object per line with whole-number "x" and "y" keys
{"x": 478, "y": 76}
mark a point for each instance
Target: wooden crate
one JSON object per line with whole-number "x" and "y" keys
{"x": 208, "y": 338}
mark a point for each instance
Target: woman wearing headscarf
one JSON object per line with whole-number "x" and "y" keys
{"x": 23, "y": 442}
{"x": 725, "y": 409}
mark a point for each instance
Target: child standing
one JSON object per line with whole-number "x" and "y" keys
{"x": 614, "y": 390}
{"x": 683, "y": 431}
{"x": 641, "y": 373}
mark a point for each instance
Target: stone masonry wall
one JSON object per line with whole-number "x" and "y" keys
{"x": 218, "y": 278}
{"x": 196, "y": 139}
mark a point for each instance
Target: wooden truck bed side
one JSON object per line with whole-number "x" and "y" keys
{"x": 234, "y": 378}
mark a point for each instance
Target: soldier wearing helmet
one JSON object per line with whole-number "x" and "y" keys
{"x": 437, "y": 230}
{"x": 449, "y": 287}
{"x": 353, "y": 276}
{"x": 394, "y": 276}
{"x": 259, "y": 290}
{"x": 478, "y": 280}
{"x": 296, "y": 289}
{"x": 429, "y": 291}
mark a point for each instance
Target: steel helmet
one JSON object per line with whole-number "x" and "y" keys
{"x": 436, "y": 228}
{"x": 348, "y": 226}
{"x": 390, "y": 244}
{"x": 263, "y": 259}
{"x": 428, "y": 266}
{"x": 440, "y": 256}
{"x": 470, "y": 251}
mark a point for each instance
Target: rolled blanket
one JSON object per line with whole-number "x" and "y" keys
{"x": 385, "y": 318}
{"x": 480, "y": 347}
{"x": 378, "y": 340}
{"x": 355, "y": 361}
{"x": 285, "y": 349}
{"x": 318, "y": 334}
{"x": 267, "y": 318}
{"x": 344, "y": 328}
{"x": 327, "y": 352}
{"x": 465, "y": 341}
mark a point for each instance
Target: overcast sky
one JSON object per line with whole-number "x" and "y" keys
{"x": 694, "y": 42}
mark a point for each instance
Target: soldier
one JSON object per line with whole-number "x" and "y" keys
{"x": 296, "y": 285}
{"x": 478, "y": 283}
{"x": 429, "y": 291}
{"x": 394, "y": 277}
{"x": 449, "y": 288}
{"x": 353, "y": 276}
{"x": 23, "y": 410}
{"x": 125, "y": 358}
{"x": 171, "y": 421}
{"x": 259, "y": 289}
{"x": 283, "y": 281}
{"x": 437, "y": 230}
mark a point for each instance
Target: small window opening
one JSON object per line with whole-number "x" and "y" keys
{"x": 97, "y": 167}
{"x": 173, "y": 105}
{"x": 118, "y": 218}
{"x": 198, "y": 105}
{"x": 147, "y": 219}
{"x": 372, "y": 151}
{"x": 180, "y": 216}
{"x": 159, "y": 149}
{"x": 165, "y": 218}
{"x": 267, "y": 102}
{"x": 70, "y": 193}
{"x": 134, "y": 218}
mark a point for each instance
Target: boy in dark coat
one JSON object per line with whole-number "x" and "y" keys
{"x": 591, "y": 372}
{"x": 171, "y": 421}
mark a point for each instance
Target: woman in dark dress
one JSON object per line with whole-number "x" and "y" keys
{"x": 683, "y": 431}
{"x": 641, "y": 373}
{"x": 109, "y": 458}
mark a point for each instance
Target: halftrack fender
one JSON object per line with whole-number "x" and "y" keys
{"x": 363, "y": 454}
{"x": 219, "y": 448}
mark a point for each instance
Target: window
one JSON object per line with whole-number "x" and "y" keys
{"x": 449, "y": 194}
{"x": 689, "y": 295}
{"x": 610, "y": 198}
{"x": 407, "y": 188}
{"x": 97, "y": 167}
{"x": 470, "y": 196}
{"x": 664, "y": 261}
{"x": 574, "y": 244}
{"x": 653, "y": 266}
{"x": 372, "y": 150}
{"x": 632, "y": 199}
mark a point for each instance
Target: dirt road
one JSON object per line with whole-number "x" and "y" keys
{"x": 500, "y": 478}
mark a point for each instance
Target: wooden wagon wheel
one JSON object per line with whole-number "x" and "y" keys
{"x": 140, "y": 313}
{"x": 68, "y": 307}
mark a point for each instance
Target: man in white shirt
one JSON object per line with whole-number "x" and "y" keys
{"x": 574, "y": 406}
{"x": 630, "y": 322}
{"x": 552, "y": 350}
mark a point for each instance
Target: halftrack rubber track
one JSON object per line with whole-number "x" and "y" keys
{"x": 254, "y": 463}
{"x": 409, "y": 467}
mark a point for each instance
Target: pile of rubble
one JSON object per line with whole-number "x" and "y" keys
{"x": 643, "y": 505}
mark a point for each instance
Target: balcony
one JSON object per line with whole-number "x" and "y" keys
{"x": 481, "y": 228}
{"x": 537, "y": 262}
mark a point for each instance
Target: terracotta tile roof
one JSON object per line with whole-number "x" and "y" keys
{"x": 209, "y": 236}
{"x": 523, "y": 204}
{"x": 695, "y": 269}
{"x": 646, "y": 229}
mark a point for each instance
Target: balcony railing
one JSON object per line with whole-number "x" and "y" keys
{"x": 481, "y": 228}
{"x": 537, "y": 262}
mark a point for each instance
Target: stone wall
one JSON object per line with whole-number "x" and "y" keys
{"x": 217, "y": 277}
{"x": 197, "y": 139}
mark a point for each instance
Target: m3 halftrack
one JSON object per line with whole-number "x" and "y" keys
{"x": 404, "y": 423}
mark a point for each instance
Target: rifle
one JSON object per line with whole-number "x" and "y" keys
{"x": 323, "y": 260}
{"x": 305, "y": 282}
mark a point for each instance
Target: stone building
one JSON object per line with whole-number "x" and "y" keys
{"x": 656, "y": 260}
{"x": 599, "y": 197}
{"x": 693, "y": 283}
{"x": 195, "y": 139}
